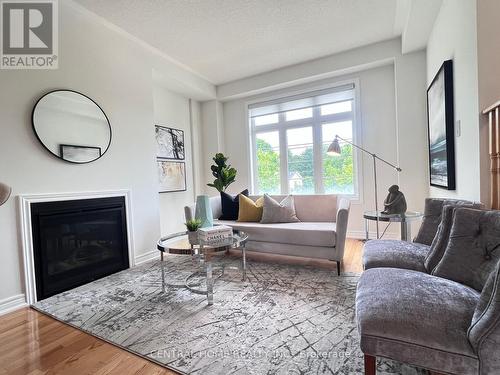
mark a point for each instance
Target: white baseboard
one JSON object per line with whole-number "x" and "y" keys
{"x": 139, "y": 259}
{"x": 361, "y": 235}
{"x": 10, "y": 304}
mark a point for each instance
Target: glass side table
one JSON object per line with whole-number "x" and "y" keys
{"x": 203, "y": 254}
{"x": 404, "y": 220}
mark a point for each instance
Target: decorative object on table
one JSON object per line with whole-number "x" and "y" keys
{"x": 395, "y": 203}
{"x": 171, "y": 175}
{"x": 192, "y": 226}
{"x": 203, "y": 211}
{"x": 334, "y": 149}
{"x": 230, "y": 205}
{"x": 224, "y": 174}
{"x": 169, "y": 143}
{"x": 440, "y": 117}
{"x": 79, "y": 154}
{"x": 250, "y": 211}
{"x": 5, "y": 192}
{"x": 279, "y": 212}
{"x": 71, "y": 126}
{"x": 214, "y": 234}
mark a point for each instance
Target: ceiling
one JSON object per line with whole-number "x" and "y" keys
{"x": 225, "y": 40}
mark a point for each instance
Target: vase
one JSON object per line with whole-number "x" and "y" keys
{"x": 203, "y": 211}
{"x": 193, "y": 237}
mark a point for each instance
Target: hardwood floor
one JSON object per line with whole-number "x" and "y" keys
{"x": 34, "y": 344}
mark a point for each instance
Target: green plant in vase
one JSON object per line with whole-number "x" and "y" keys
{"x": 224, "y": 174}
{"x": 192, "y": 226}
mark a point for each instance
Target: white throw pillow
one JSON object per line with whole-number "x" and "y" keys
{"x": 279, "y": 212}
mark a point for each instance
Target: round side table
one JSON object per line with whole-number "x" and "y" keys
{"x": 404, "y": 220}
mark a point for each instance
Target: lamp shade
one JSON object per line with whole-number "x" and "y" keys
{"x": 5, "y": 191}
{"x": 334, "y": 148}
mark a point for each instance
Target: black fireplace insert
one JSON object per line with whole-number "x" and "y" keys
{"x": 77, "y": 241}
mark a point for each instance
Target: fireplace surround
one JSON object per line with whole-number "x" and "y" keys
{"x": 71, "y": 239}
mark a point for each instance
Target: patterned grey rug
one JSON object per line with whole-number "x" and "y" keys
{"x": 284, "y": 319}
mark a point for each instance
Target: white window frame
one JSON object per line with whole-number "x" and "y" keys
{"x": 316, "y": 122}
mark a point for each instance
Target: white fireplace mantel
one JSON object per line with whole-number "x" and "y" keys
{"x": 25, "y": 201}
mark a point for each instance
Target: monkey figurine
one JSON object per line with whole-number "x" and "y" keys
{"x": 395, "y": 203}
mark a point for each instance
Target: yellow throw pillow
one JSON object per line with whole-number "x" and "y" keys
{"x": 250, "y": 210}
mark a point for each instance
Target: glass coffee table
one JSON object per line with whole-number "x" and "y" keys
{"x": 203, "y": 254}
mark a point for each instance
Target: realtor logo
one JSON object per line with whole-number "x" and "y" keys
{"x": 29, "y": 34}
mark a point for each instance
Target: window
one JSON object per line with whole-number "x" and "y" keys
{"x": 290, "y": 139}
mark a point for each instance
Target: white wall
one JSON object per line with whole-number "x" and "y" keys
{"x": 488, "y": 32}
{"x": 212, "y": 139}
{"x": 174, "y": 110}
{"x": 388, "y": 81}
{"x": 377, "y": 132}
{"x": 454, "y": 37}
{"x": 117, "y": 73}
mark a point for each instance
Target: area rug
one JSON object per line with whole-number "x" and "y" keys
{"x": 285, "y": 319}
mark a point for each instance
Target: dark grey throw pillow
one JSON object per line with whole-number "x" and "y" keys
{"x": 279, "y": 212}
{"x": 473, "y": 248}
{"x": 230, "y": 205}
{"x": 440, "y": 241}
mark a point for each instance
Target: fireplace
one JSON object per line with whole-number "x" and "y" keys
{"x": 77, "y": 241}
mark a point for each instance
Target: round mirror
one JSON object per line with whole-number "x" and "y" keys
{"x": 71, "y": 126}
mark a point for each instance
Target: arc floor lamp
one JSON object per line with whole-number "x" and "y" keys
{"x": 335, "y": 150}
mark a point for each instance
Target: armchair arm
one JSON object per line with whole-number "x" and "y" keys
{"x": 343, "y": 207}
{"x": 484, "y": 332}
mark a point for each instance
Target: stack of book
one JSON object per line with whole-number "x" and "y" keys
{"x": 215, "y": 234}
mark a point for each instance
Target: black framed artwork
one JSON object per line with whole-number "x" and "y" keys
{"x": 171, "y": 175}
{"x": 169, "y": 143}
{"x": 440, "y": 119}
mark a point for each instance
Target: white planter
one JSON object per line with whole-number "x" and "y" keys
{"x": 193, "y": 238}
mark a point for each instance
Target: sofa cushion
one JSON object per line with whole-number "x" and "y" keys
{"x": 250, "y": 210}
{"x": 473, "y": 248}
{"x": 395, "y": 254}
{"x": 279, "y": 212}
{"x": 230, "y": 205}
{"x": 401, "y": 314}
{"x": 302, "y": 233}
{"x": 312, "y": 208}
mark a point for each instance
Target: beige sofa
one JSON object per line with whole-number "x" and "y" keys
{"x": 321, "y": 232}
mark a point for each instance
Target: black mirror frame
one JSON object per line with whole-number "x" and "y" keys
{"x": 58, "y": 156}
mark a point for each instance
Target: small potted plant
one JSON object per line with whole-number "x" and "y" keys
{"x": 192, "y": 226}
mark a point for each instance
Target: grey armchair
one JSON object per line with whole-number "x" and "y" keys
{"x": 422, "y": 254}
{"x": 448, "y": 321}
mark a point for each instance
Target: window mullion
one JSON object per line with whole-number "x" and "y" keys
{"x": 283, "y": 154}
{"x": 253, "y": 155}
{"x": 317, "y": 152}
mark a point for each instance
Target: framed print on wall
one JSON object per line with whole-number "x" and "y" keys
{"x": 171, "y": 176}
{"x": 440, "y": 119}
{"x": 169, "y": 143}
